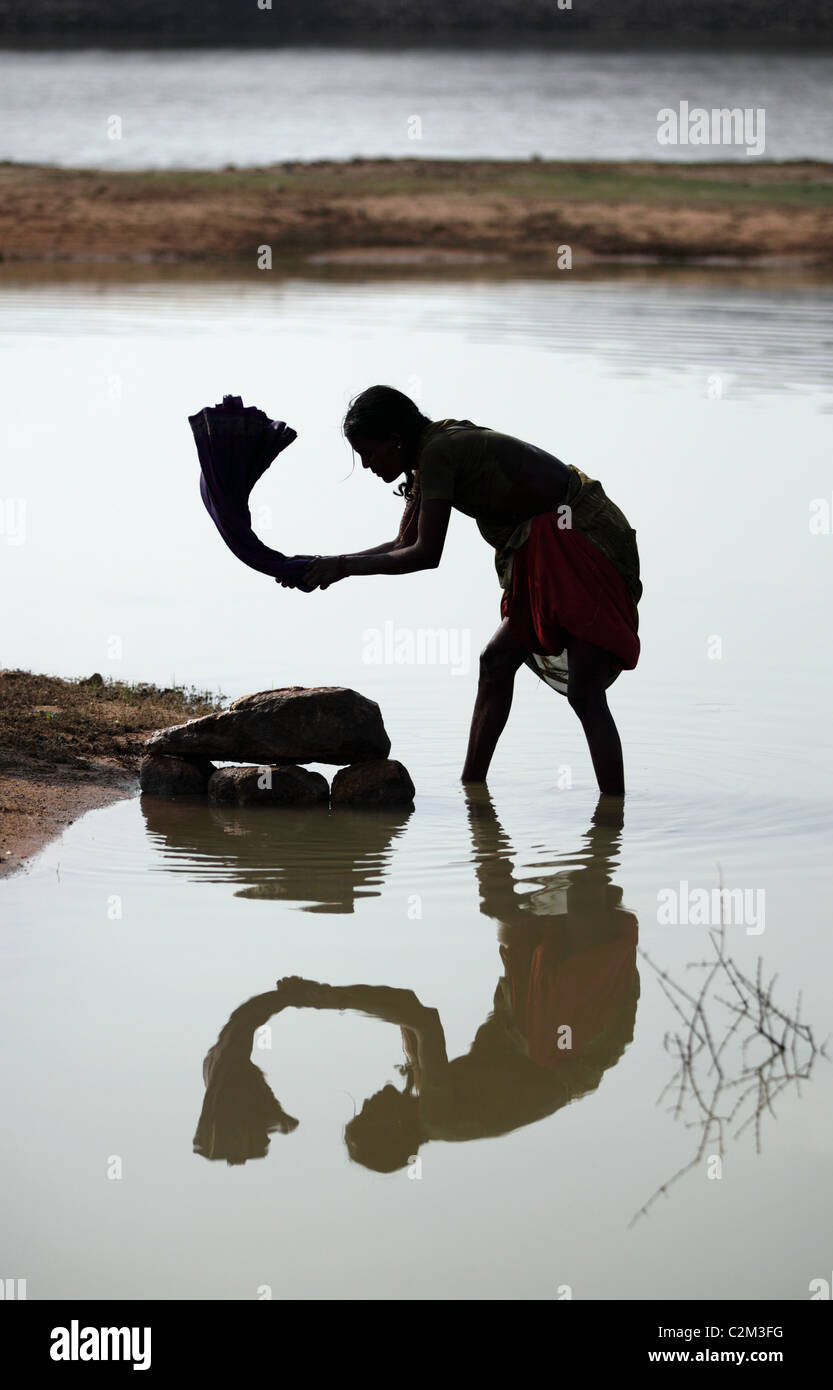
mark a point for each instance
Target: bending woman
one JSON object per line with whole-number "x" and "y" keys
{"x": 566, "y": 558}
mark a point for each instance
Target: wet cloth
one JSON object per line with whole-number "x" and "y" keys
{"x": 236, "y": 444}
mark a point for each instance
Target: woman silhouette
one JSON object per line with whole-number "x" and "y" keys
{"x": 565, "y": 555}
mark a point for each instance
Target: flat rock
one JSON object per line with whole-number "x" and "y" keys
{"x": 162, "y": 774}
{"x": 383, "y": 782}
{"x": 298, "y": 724}
{"x": 268, "y": 786}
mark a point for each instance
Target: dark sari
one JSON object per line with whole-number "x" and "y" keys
{"x": 236, "y": 444}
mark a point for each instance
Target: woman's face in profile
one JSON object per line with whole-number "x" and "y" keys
{"x": 385, "y": 1134}
{"x": 383, "y": 457}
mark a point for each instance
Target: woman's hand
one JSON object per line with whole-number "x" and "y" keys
{"x": 324, "y": 571}
{"x": 300, "y": 580}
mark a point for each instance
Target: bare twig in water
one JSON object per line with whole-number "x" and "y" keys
{"x": 720, "y": 1082}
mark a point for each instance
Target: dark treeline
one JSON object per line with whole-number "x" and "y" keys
{"x": 461, "y": 21}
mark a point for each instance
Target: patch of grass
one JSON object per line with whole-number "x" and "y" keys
{"x": 798, "y": 182}
{"x": 47, "y": 720}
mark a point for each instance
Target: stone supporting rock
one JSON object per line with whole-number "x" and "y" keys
{"x": 268, "y": 786}
{"x": 163, "y": 774}
{"x": 381, "y": 783}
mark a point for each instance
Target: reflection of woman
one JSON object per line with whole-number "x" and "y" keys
{"x": 563, "y": 1014}
{"x": 568, "y": 948}
{"x": 566, "y": 558}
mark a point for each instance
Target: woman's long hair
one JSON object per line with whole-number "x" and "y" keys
{"x": 381, "y": 411}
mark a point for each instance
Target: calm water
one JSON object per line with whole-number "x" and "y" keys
{"x": 703, "y": 403}
{"x": 206, "y": 109}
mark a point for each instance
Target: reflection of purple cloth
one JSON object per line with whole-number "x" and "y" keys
{"x": 236, "y": 444}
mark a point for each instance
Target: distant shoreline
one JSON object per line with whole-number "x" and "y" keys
{"x": 424, "y": 211}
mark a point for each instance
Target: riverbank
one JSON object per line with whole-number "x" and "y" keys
{"x": 67, "y": 747}
{"x": 373, "y": 211}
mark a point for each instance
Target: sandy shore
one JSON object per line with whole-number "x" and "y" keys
{"x": 424, "y": 211}
{"x": 67, "y": 747}
{"x": 36, "y": 806}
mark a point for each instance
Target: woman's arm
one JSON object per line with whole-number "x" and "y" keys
{"x": 382, "y": 549}
{"x": 400, "y": 1006}
{"x": 408, "y": 529}
{"x": 422, "y": 554}
{"x": 377, "y": 1001}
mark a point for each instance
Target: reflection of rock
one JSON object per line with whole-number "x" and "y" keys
{"x": 383, "y": 782}
{"x": 325, "y": 724}
{"x": 268, "y": 786}
{"x": 163, "y": 775}
{"x": 305, "y": 855}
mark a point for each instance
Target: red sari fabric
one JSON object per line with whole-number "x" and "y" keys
{"x": 562, "y": 585}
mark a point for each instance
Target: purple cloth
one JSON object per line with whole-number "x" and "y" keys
{"x": 236, "y": 444}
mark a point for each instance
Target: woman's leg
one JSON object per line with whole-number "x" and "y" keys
{"x": 590, "y": 671}
{"x": 499, "y": 662}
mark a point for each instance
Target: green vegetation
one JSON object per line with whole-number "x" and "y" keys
{"x": 800, "y": 182}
